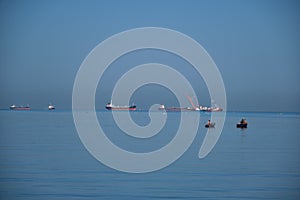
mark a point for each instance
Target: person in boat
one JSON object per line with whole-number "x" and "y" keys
{"x": 208, "y": 123}
{"x": 243, "y": 121}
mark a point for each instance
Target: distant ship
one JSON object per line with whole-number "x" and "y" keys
{"x": 194, "y": 107}
{"x": 210, "y": 109}
{"x": 214, "y": 108}
{"x": 174, "y": 109}
{"x": 110, "y": 106}
{"x": 51, "y": 107}
{"x": 14, "y": 107}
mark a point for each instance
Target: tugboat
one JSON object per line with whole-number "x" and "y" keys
{"x": 51, "y": 107}
{"x": 14, "y": 107}
{"x": 110, "y": 106}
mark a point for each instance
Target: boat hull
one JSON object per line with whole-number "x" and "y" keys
{"x": 241, "y": 125}
{"x": 20, "y": 108}
{"x": 120, "y": 107}
{"x": 210, "y": 125}
{"x": 212, "y": 110}
{"x": 175, "y": 109}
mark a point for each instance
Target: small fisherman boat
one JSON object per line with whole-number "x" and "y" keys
{"x": 243, "y": 124}
{"x": 211, "y": 125}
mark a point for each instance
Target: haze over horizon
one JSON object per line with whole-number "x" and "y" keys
{"x": 255, "y": 45}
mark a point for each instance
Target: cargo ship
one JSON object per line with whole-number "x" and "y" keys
{"x": 110, "y": 106}
{"x": 14, "y": 107}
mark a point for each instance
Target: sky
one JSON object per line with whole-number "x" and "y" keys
{"x": 255, "y": 45}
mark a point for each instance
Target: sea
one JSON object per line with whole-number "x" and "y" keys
{"x": 43, "y": 157}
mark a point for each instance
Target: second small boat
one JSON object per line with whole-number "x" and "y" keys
{"x": 51, "y": 107}
{"x": 243, "y": 123}
{"x": 210, "y": 124}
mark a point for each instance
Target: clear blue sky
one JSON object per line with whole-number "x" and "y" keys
{"x": 255, "y": 45}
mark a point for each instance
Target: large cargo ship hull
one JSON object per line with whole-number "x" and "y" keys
{"x": 110, "y": 106}
{"x": 14, "y": 107}
{"x": 20, "y": 108}
{"x": 120, "y": 108}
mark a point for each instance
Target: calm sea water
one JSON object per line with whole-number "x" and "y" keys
{"x": 42, "y": 157}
